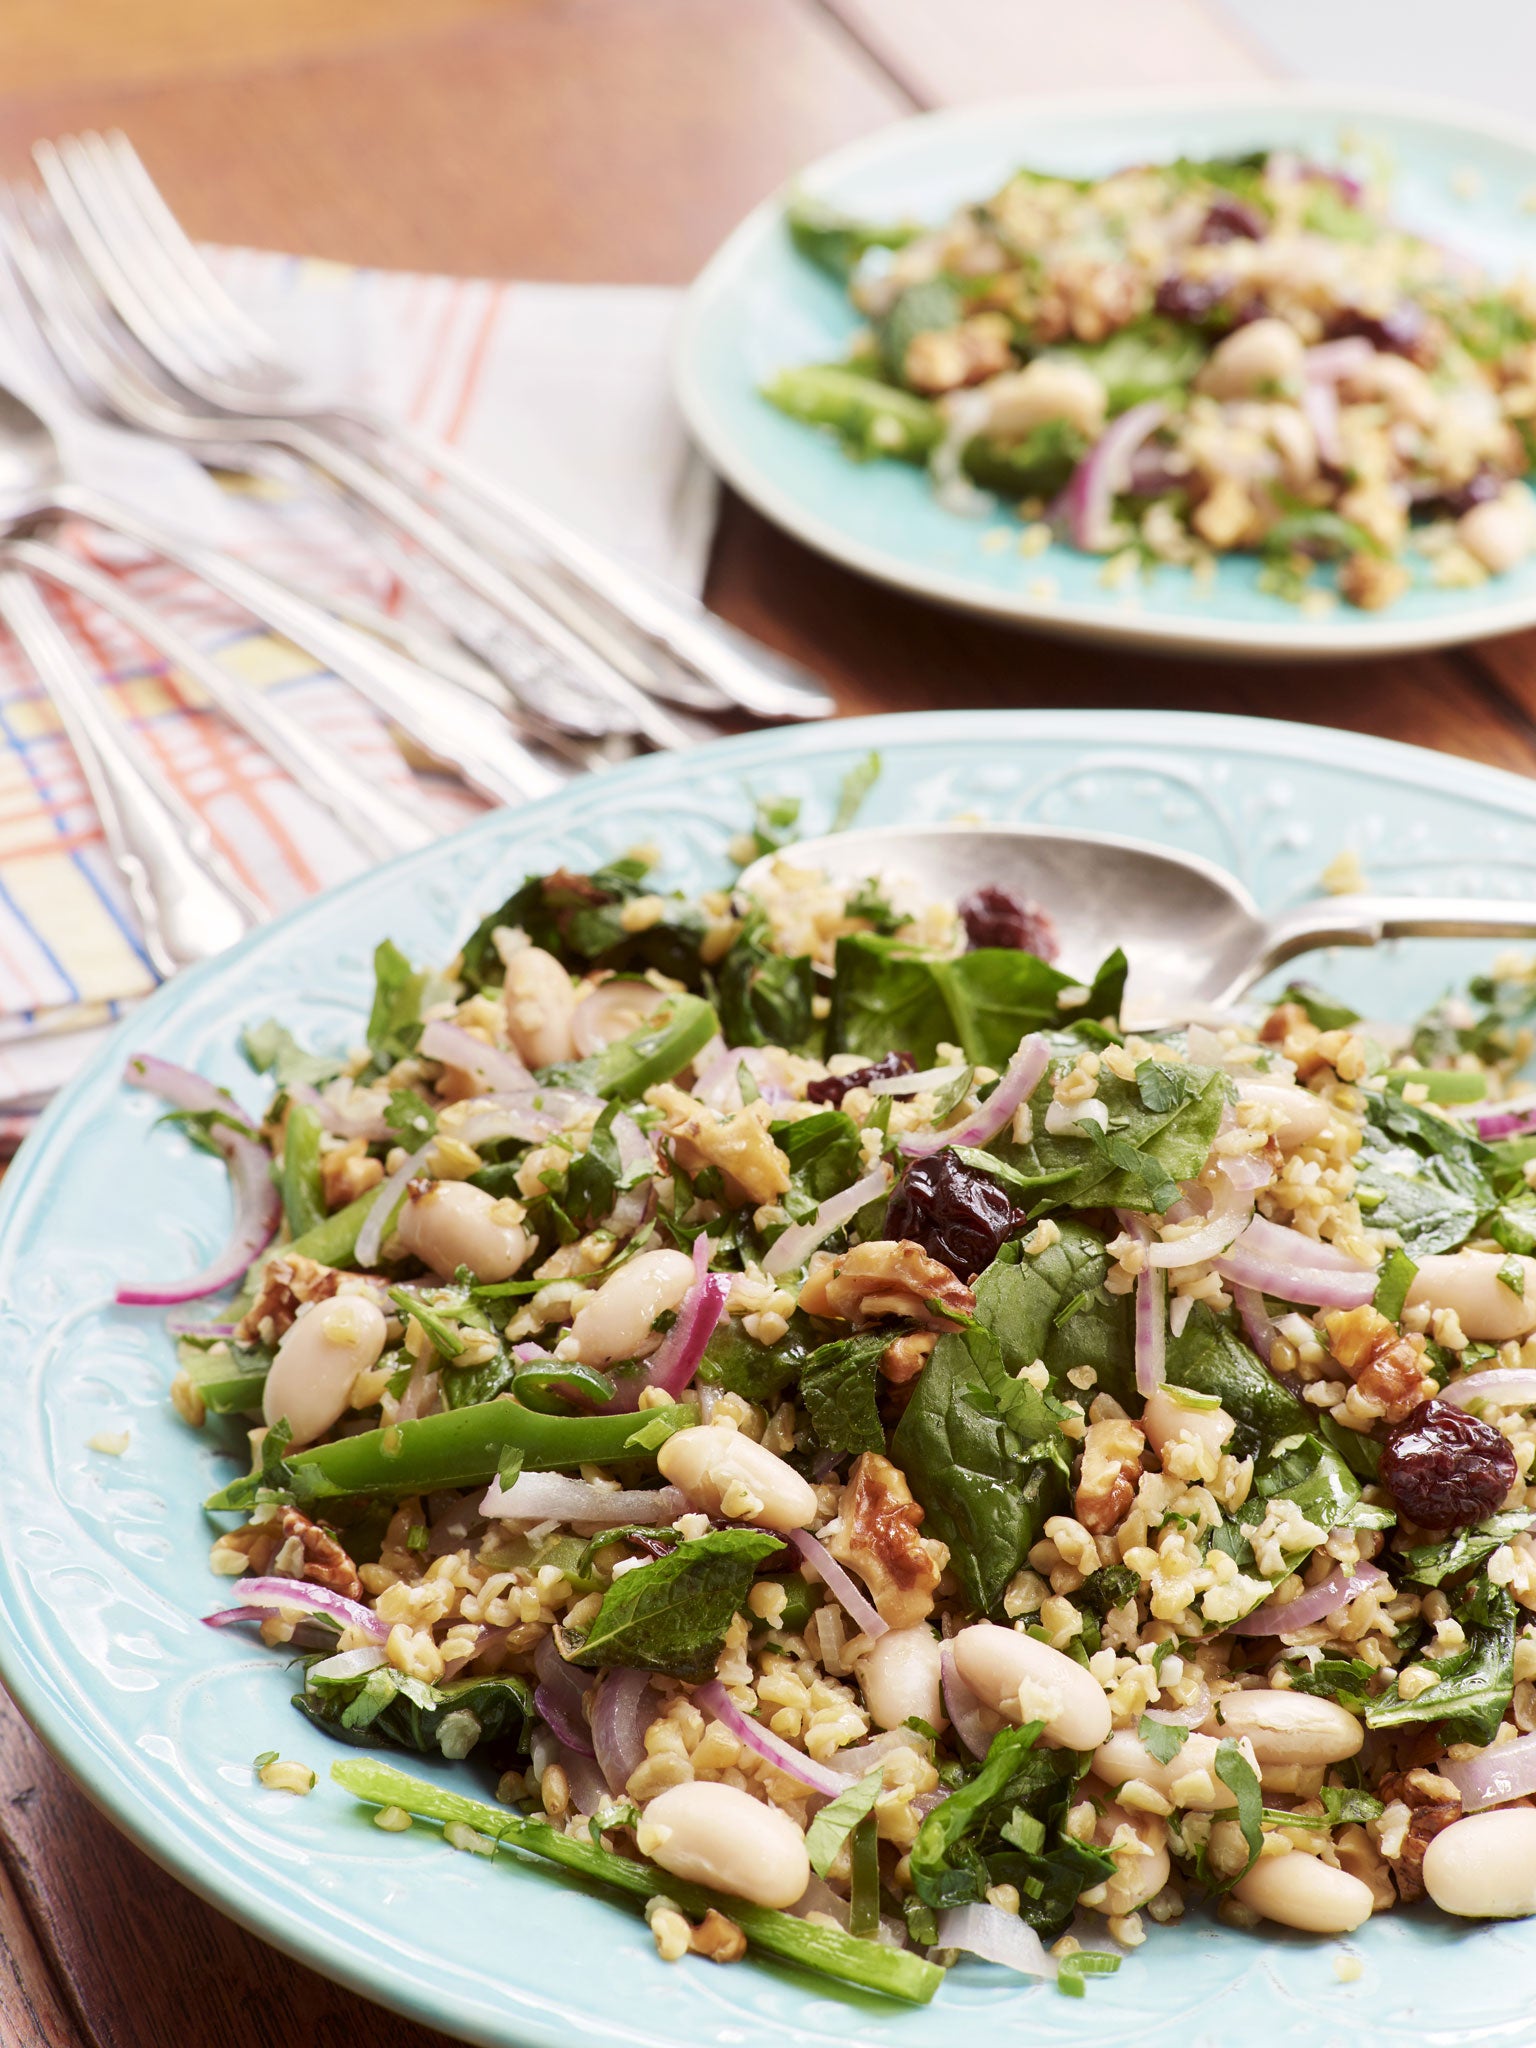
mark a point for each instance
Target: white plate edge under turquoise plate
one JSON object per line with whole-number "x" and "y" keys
{"x": 707, "y": 395}
{"x": 384, "y": 1914}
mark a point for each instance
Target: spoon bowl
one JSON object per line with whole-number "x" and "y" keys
{"x": 1194, "y": 938}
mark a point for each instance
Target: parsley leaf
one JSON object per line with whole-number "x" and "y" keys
{"x": 410, "y": 1116}
{"x": 1162, "y": 1740}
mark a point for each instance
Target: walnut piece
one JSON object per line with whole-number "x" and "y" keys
{"x": 1434, "y": 1803}
{"x": 877, "y": 1535}
{"x": 347, "y": 1173}
{"x": 325, "y": 1562}
{"x": 1382, "y": 1363}
{"x": 286, "y": 1285}
{"x": 905, "y": 1356}
{"x": 944, "y": 358}
{"x": 739, "y": 1145}
{"x": 885, "y": 1278}
{"x": 1111, "y": 1467}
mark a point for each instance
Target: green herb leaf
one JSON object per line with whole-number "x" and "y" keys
{"x": 1394, "y": 1277}
{"x": 411, "y": 1117}
{"x": 1242, "y": 1781}
{"x": 1474, "y": 1685}
{"x": 271, "y": 1048}
{"x": 671, "y": 1615}
{"x": 1325, "y": 1011}
{"x": 1162, "y": 1739}
{"x": 267, "y": 1756}
{"x": 1431, "y": 1564}
{"x": 853, "y": 789}
{"x": 838, "y": 1384}
{"x": 1512, "y": 1275}
{"x": 836, "y": 1820}
{"x": 394, "y": 1022}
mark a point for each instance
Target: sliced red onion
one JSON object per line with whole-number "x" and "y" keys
{"x": 347, "y": 1664}
{"x": 544, "y": 1496}
{"x": 966, "y": 1712}
{"x": 342, "y": 1120}
{"x": 623, "y": 1707}
{"x": 491, "y": 1069}
{"x": 258, "y": 1210}
{"x": 794, "y": 1247}
{"x": 1509, "y": 1389}
{"x": 1230, "y": 1209}
{"x": 555, "y": 1713}
{"x": 1249, "y": 1171}
{"x": 1279, "y": 1241}
{"x": 997, "y": 1937}
{"x": 451, "y": 1529}
{"x": 1320, "y": 404}
{"x": 1495, "y": 1776}
{"x": 1104, "y": 472}
{"x": 1258, "y": 1327}
{"x": 184, "y": 1326}
{"x": 530, "y": 1115}
{"x": 370, "y": 1239}
{"x": 782, "y": 1755}
{"x": 855, "y": 1603}
{"x": 1195, "y": 1715}
{"x": 1151, "y": 1330}
{"x": 637, "y": 1156}
{"x": 418, "y": 1397}
{"x": 862, "y": 1758}
{"x": 560, "y": 1696}
{"x": 1512, "y": 1118}
{"x": 914, "y": 1084}
{"x": 612, "y": 1011}
{"x": 484, "y": 1640}
{"x": 298, "y": 1596}
{"x": 672, "y": 1365}
{"x": 719, "y": 1077}
{"x": 1319, "y": 1288}
{"x": 1330, "y": 362}
{"x": 1316, "y": 1604}
{"x": 1019, "y": 1082}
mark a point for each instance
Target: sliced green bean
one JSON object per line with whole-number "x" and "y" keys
{"x": 300, "y": 1186}
{"x": 826, "y": 1950}
{"x": 869, "y": 418}
{"x": 664, "y": 1044}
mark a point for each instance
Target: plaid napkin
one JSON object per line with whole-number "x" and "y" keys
{"x": 561, "y": 388}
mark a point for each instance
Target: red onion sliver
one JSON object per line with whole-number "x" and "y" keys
{"x": 546, "y": 1496}
{"x": 560, "y": 1696}
{"x": 1316, "y": 1604}
{"x": 1320, "y": 403}
{"x": 719, "y": 1076}
{"x": 964, "y": 1709}
{"x": 529, "y": 1114}
{"x": 1151, "y": 1311}
{"x": 1230, "y": 1209}
{"x": 1512, "y": 1389}
{"x": 1258, "y": 1327}
{"x": 258, "y": 1210}
{"x": 1512, "y": 1118}
{"x": 1318, "y": 1288}
{"x": 623, "y": 1707}
{"x": 997, "y": 1937}
{"x": 1279, "y": 1241}
{"x": 339, "y": 1119}
{"x": 1495, "y": 1775}
{"x": 1020, "y": 1079}
{"x": 555, "y": 1713}
{"x": 1249, "y": 1171}
{"x": 347, "y": 1663}
{"x": 1104, "y": 472}
{"x": 1331, "y": 361}
{"x": 611, "y": 1011}
{"x": 855, "y": 1603}
{"x": 370, "y": 1239}
{"x": 487, "y": 1066}
{"x": 297, "y": 1596}
{"x": 797, "y": 1243}
{"x": 636, "y": 1151}
{"x": 184, "y": 1326}
{"x": 783, "y": 1755}
{"x": 914, "y": 1084}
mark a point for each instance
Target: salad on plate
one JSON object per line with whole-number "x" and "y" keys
{"x": 1190, "y": 359}
{"x": 839, "y": 1442}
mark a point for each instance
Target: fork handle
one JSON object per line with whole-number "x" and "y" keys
{"x": 187, "y": 912}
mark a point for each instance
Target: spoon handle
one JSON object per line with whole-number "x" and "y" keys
{"x": 1367, "y": 920}
{"x": 190, "y": 905}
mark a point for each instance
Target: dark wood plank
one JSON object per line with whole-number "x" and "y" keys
{"x": 146, "y": 1961}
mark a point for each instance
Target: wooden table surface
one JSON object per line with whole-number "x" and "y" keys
{"x": 599, "y": 140}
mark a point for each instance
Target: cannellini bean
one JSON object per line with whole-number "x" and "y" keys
{"x": 1125, "y": 1756}
{"x": 1028, "y": 1681}
{"x": 1136, "y": 1878}
{"x": 901, "y": 1678}
{"x": 1045, "y": 389}
{"x": 618, "y": 1321}
{"x": 1502, "y": 530}
{"x": 448, "y": 1224}
{"x": 1164, "y": 1419}
{"x": 1264, "y": 356}
{"x": 321, "y": 1354}
{"x": 539, "y": 1002}
{"x": 725, "y": 1473}
{"x": 1305, "y": 1116}
{"x": 1407, "y": 391}
{"x": 1302, "y": 1891}
{"x": 1468, "y": 1282}
{"x": 1484, "y": 1867}
{"x": 713, "y": 1834}
{"x": 1290, "y": 1727}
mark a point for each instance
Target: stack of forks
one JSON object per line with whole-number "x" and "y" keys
{"x": 533, "y": 655}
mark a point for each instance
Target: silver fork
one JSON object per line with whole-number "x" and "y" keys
{"x": 556, "y": 676}
{"x": 164, "y": 292}
{"x": 190, "y": 903}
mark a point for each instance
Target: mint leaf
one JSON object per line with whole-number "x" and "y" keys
{"x": 837, "y": 1820}
{"x": 1163, "y": 1087}
{"x": 838, "y": 1386}
{"x": 1394, "y": 1278}
{"x": 672, "y": 1614}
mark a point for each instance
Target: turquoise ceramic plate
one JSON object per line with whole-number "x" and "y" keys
{"x": 103, "y": 1573}
{"x": 1461, "y": 178}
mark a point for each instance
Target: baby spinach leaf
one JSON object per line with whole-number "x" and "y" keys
{"x": 580, "y": 919}
{"x": 1110, "y": 1586}
{"x": 1144, "y": 1152}
{"x": 1020, "y": 1299}
{"x": 764, "y": 997}
{"x": 737, "y": 1364}
{"x": 836, "y": 1820}
{"x": 823, "y": 1153}
{"x": 1474, "y": 1685}
{"x": 1431, "y": 1201}
{"x": 383, "y": 1709}
{"x": 838, "y": 1383}
{"x": 672, "y": 1614}
{"x": 1432, "y": 1136}
{"x": 1144, "y": 359}
{"x": 1431, "y": 1564}
{"x": 983, "y": 1492}
{"x": 394, "y": 1022}
{"x": 1210, "y": 1358}
{"x": 1362, "y": 1454}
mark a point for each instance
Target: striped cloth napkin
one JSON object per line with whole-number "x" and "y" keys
{"x": 561, "y": 388}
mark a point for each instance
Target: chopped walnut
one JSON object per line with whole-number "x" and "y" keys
{"x": 1111, "y": 1467}
{"x": 718, "y": 1938}
{"x": 1385, "y": 1366}
{"x": 905, "y": 1356}
{"x": 1372, "y": 581}
{"x": 325, "y": 1562}
{"x": 739, "y": 1145}
{"x": 885, "y": 1278}
{"x": 945, "y": 358}
{"x": 877, "y": 1534}
{"x": 1434, "y": 1803}
{"x": 287, "y": 1284}
{"x": 347, "y": 1173}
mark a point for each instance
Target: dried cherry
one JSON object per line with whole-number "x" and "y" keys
{"x": 831, "y": 1091}
{"x": 953, "y": 1211}
{"x": 1231, "y": 220}
{"x": 1445, "y": 1468}
{"x": 994, "y": 916}
{"x": 1403, "y": 330}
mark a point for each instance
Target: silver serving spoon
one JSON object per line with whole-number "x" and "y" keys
{"x": 1194, "y": 937}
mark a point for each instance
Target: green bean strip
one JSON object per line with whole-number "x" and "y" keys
{"x": 303, "y": 1200}
{"x": 827, "y": 1950}
{"x": 864, "y": 1891}
{"x": 332, "y": 1242}
{"x": 464, "y": 1447}
{"x": 663, "y": 1045}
